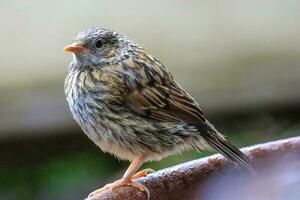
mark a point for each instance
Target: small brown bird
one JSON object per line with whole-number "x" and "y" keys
{"x": 128, "y": 104}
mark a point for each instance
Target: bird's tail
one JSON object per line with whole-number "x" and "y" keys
{"x": 215, "y": 140}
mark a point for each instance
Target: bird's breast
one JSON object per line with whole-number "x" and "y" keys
{"x": 87, "y": 100}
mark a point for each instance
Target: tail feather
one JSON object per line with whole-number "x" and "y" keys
{"x": 228, "y": 150}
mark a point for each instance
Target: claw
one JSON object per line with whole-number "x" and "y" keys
{"x": 121, "y": 183}
{"x": 143, "y": 173}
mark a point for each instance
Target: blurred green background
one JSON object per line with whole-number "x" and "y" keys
{"x": 239, "y": 59}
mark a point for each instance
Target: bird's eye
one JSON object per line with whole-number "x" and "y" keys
{"x": 99, "y": 44}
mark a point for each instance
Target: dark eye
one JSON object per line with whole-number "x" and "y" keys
{"x": 98, "y": 44}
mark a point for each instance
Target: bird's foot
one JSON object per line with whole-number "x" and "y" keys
{"x": 143, "y": 173}
{"x": 120, "y": 183}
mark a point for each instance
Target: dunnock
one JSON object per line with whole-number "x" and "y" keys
{"x": 128, "y": 104}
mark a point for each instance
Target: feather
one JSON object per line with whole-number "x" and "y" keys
{"x": 155, "y": 94}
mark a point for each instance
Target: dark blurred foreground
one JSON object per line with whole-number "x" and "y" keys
{"x": 279, "y": 180}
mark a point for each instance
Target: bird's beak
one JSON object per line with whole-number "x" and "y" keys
{"x": 75, "y": 48}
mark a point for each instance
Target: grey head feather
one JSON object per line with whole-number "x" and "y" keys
{"x": 116, "y": 48}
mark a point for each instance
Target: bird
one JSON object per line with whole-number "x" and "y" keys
{"x": 129, "y": 104}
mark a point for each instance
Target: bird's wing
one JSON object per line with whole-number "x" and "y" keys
{"x": 152, "y": 92}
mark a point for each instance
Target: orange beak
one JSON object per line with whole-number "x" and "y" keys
{"x": 75, "y": 48}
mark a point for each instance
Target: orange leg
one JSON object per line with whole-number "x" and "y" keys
{"x": 127, "y": 178}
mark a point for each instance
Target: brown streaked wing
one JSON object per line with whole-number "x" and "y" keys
{"x": 153, "y": 93}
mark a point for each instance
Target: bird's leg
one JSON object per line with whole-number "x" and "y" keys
{"x": 127, "y": 178}
{"x": 133, "y": 167}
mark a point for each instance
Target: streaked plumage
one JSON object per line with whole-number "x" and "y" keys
{"x": 128, "y": 103}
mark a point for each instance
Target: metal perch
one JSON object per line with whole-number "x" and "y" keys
{"x": 214, "y": 177}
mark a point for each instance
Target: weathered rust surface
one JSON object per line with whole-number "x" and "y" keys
{"x": 187, "y": 180}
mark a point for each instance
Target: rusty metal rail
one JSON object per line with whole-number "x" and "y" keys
{"x": 205, "y": 178}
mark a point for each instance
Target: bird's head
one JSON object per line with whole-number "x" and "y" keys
{"x": 98, "y": 47}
